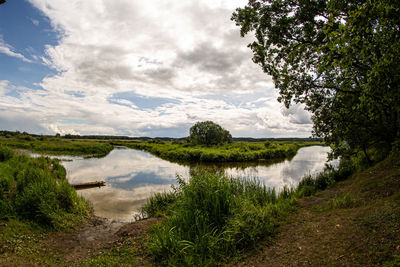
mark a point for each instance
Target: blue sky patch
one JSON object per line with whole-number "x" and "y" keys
{"x": 25, "y": 31}
{"x": 142, "y": 102}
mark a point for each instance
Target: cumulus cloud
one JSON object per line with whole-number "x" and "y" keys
{"x": 185, "y": 57}
{"x": 297, "y": 114}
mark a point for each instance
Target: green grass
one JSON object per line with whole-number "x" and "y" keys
{"x": 232, "y": 152}
{"x": 309, "y": 184}
{"x": 116, "y": 256}
{"x": 36, "y": 190}
{"x": 214, "y": 217}
{"x": 344, "y": 202}
{"x": 54, "y": 145}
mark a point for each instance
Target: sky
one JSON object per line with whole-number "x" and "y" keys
{"x": 135, "y": 68}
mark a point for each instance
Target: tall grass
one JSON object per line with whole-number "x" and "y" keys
{"x": 35, "y": 189}
{"x": 213, "y": 217}
{"x": 310, "y": 184}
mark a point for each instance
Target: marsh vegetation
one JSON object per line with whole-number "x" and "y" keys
{"x": 36, "y": 190}
{"x": 54, "y": 144}
{"x": 227, "y": 152}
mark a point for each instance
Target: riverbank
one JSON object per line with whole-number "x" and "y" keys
{"x": 354, "y": 223}
{"x": 57, "y": 145}
{"x": 231, "y": 152}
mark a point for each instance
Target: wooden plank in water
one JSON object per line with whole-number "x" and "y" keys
{"x": 89, "y": 185}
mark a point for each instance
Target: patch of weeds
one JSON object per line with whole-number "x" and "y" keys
{"x": 120, "y": 255}
{"x": 387, "y": 215}
{"x": 23, "y": 239}
{"x": 344, "y": 202}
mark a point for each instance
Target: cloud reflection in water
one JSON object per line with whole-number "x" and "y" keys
{"x": 132, "y": 176}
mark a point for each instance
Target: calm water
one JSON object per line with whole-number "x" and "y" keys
{"x": 132, "y": 176}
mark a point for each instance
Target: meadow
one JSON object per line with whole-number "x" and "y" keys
{"x": 56, "y": 145}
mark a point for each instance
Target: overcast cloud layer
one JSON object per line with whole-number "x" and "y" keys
{"x": 146, "y": 68}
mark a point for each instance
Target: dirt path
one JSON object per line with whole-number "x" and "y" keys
{"x": 95, "y": 237}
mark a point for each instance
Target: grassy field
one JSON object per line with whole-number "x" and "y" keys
{"x": 232, "y": 152}
{"x": 57, "y": 145}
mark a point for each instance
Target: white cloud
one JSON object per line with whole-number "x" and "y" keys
{"x": 186, "y": 51}
{"x": 8, "y": 50}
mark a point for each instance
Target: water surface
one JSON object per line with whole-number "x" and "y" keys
{"x": 132, "y": 176}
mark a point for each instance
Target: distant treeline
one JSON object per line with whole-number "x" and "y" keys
{"x": 145, "y": 138}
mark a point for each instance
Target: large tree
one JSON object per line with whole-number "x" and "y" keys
{"x": 209, "y": 133}
{"x": 340, "y": 58}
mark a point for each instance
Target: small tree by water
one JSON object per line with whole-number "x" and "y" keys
{"x": 209, "y": 133}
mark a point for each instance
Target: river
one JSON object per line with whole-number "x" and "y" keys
{"x": 132, "y": 176}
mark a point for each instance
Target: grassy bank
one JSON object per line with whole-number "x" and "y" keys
{"x": 355, "y": 222}
{"x": 328, "y": 220}
{"x": 56, "y": 145}
{"x": 212, "y": 218}
{"x": 36, "y": 190}
{"x": 232, "y": 152}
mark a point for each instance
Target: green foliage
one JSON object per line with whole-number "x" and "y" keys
{"x": 344, "y": 202}
{"x": 5, "y": 153}
{"x": 53, "y": 145}
{"x": 214, "y": 217}
{"x": 209, "y": 133}
{"x": 309, "y": 185}
{"x": 232, "y": 152}
{"x": 339, "y": 58}
{"x": 36, "y": 189}
{"x": 157, "y": 204}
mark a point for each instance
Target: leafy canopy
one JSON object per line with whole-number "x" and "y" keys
{"x": 340, "y": 58}
{"x": 209, "y": 133}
